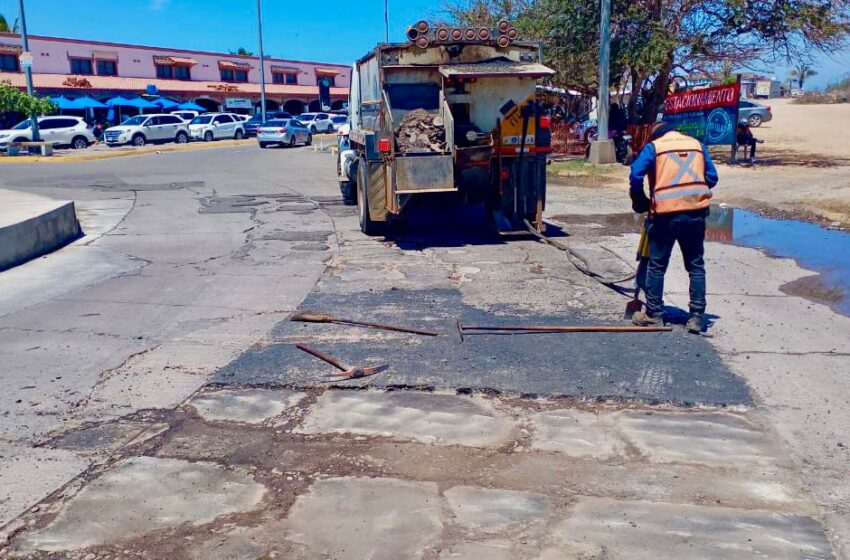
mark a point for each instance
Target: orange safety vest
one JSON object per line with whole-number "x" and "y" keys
{"x": 678, "y": 183}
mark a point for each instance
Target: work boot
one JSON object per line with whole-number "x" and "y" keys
{"x": 644, "y": 319}
{"x": 695, "y": 323}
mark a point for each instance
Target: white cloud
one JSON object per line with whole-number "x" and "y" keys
{"x": 158, "y": 4}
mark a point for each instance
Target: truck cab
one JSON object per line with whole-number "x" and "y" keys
{"x": 451, "y": 111}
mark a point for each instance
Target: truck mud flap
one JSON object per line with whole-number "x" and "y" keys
{"x": 424, "y": 173}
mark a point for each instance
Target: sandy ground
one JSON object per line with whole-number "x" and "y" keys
{"x": 820, "y": 129}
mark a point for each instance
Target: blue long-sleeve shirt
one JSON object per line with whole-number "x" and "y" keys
{"x": 645, "y": 163}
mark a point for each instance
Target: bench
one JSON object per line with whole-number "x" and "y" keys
{"x": 42, "y": 148}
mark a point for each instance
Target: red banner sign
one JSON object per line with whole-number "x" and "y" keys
{"x": 703, "y": 99}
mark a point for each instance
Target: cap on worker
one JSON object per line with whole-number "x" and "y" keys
{"x": 659, "y": 129}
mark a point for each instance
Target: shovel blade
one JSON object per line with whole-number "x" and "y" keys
{"x": 632, "y": 307}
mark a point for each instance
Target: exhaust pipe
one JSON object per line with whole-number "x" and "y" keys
{"x": 422, "y": 42}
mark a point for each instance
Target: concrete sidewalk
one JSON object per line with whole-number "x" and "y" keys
{"x": 32, "y": 225}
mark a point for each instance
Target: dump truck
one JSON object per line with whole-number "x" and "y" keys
{"x": 450, "y": 113}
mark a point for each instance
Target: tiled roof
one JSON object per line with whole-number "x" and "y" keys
{"x": 138, "y": 85}
{"x": 176, "y": 60}
{"x": 231, "y": 65}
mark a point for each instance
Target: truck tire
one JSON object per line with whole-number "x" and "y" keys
{"x": 348, "y": 190}
{"x": 367, "y": 226}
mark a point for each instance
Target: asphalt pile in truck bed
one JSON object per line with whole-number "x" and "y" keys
{"x": 421, "y": 132}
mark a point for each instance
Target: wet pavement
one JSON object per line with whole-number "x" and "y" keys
{"x": 814, "y": 247}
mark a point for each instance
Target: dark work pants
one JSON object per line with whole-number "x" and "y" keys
{"x": 688, "y": 230}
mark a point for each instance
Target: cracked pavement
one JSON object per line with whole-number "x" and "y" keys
{"x": 156, "y": 406}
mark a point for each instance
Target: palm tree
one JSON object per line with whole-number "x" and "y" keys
{"x": 4, "y": 25}
{"x": 242, "y": 51}
{"x": 801, "y": 72}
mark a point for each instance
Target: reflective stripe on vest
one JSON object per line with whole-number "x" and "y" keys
{"x": 679, "y": 184}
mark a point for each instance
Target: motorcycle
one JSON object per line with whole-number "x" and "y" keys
{"x": 622, "y": 145}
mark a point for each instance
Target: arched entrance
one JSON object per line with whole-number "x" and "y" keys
{"x": 294, "y": 106}
{"x": 315, "y": 106}
{"x": 209, "y": 104}
{"x": 271, "y": 105}
{"x": 338, "y": 105}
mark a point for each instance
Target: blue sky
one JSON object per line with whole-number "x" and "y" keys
{"x": 331, "y": 31}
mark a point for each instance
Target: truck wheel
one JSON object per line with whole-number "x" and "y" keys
{"x": 348, "y": 189}
{"x": 367, "y": 226}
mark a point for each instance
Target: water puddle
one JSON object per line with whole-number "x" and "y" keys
{"x": 814, "y": 247}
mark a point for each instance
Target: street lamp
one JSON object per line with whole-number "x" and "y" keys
{"x": 602, "y": 149}
{"x": 26, "y": 62}
{"x": 262, "y": 67}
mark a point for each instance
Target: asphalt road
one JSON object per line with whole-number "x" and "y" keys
{"x": 194, "y": 261}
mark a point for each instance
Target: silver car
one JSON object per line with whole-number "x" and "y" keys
{"x": 753, "y": 112}
{"x": 283, "y": 132}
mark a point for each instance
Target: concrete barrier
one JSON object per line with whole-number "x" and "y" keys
{"x": 31, "y": 226}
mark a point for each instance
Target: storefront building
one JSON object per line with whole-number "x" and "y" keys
{"x": 216, "y": 81}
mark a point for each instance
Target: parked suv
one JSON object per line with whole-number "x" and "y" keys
{"x": 216, "y": 126}
{"x": 317, "y": 122}
{"x": 186, "y": 115}
{"x": 59, "y": 131}
{"x": 142, "y": 129}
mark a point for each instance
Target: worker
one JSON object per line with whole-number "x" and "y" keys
{"x": 744, "y": 137}
{"x": 681, "y": 175}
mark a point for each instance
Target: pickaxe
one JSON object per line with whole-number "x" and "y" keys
{"x": 348, "y": 372}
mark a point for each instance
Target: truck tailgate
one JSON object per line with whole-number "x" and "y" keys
{"x": 424, "y": 173}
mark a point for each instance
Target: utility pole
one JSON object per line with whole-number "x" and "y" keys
{"x": 387, "y": 20}
{"x": 602, "y": 150}
{"x": 28, "y": 69}
{"x": 262, "y": 66}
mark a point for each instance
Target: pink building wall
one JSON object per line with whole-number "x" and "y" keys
{"x": 52, "y": 56}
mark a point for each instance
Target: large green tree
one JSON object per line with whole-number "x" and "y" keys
{"x": 654, "y": 41}
{"x": 13, "y": 100}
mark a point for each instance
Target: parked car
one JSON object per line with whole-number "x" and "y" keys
{"x": 317, "y": 122}
{"x": 337, "y": 121}
{"x": 59, "y": 131}
{"x": 216, "y": 126}
{"x": 283, "y": 132}
{"x": 586, "y": 129}
{"x": 753, "y": 112}
{"x": 186, "y": 115}
{"x": 142, "y": 129}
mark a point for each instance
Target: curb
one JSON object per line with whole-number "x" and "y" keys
{"x": 125, "y": 153}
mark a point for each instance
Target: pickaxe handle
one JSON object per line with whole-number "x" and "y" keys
{"x": 322, "y": 356}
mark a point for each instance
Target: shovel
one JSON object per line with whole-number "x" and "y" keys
{"x": 635, "y": 304}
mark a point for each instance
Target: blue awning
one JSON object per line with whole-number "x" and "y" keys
{"x": 86, "y": 103}
{"x": 189, "y": 106}
{"x": 136, "y": 102}
{"x": 63, "y": 103}
{"x": 166, "y": 103}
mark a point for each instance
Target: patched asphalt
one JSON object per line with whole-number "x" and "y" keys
{"x": 651, "y": 367}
